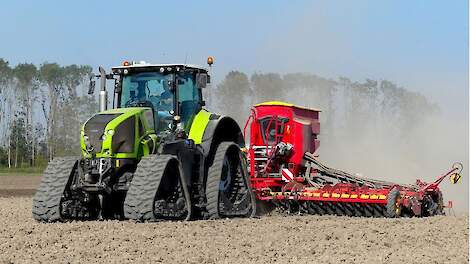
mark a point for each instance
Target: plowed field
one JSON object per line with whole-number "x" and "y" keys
{"x": 277, "y": 238}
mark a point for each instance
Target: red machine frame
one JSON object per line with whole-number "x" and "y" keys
{"x": 284, "y": 169}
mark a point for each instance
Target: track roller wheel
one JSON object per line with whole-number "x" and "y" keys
{"x": 393, "y": 208}
{"x": 228, "y": 190}
{"x": 158, "y": 191}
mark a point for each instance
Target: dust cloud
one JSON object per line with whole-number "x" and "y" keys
{"x": 381, "y": 147}
{"x": 424, "y": 152}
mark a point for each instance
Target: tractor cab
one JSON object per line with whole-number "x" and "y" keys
{"x": 172, "y": 91}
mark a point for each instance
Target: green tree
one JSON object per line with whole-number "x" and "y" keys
{"x": 51, "y": 74}
{"x": 74, "y": 76}
{"x": 233, "y": 96}
{"x": 66, "y": 106}
{"x": 25, "y": 136}
{"x": 267, "y": 87}
{"x": 26, "y": 75}
{"x": 19, "y": 142}
{"x": 7, "y": 98}
{"x": 5, "y": 74}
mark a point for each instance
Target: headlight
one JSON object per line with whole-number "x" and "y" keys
{"x": 85, "y": 138}
{"x": 110, "y": 132}
{"x": 103, "y": 137}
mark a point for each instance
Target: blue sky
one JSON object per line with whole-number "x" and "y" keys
{"x": 422, "y": 45}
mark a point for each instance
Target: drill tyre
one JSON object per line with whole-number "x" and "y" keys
{"x": 48, "y": 197}
{"x": 228, "y": 163}
{"x": 393, "y": 207}
{"x": 440, "y": 204}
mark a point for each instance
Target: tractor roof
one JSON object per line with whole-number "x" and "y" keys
{"x": 142, "y": 65}
{"x": 125, "y": 110}
{"x": 278, "y": 103}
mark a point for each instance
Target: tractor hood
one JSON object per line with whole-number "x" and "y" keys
{"x": 111, "y": 133}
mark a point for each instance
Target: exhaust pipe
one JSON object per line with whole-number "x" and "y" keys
{"x": 103, "y": 92}
{"x": 103, "y": 101}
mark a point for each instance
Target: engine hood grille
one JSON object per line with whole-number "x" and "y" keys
{"x": 95, "y": 127}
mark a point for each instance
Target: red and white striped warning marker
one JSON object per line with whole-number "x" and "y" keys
{"x": 287, "y": 175}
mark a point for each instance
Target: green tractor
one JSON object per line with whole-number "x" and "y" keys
{"x": 157, "y": 155}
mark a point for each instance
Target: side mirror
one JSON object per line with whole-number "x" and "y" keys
{"x": 91, "y": 86}
{"x": 201, "y": 80}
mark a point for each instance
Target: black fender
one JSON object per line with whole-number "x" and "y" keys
{"x": 219, "y": 129}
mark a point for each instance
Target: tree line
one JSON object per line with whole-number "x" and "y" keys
{"x": 349, "y": 108}
{"x": 41, "y": 109}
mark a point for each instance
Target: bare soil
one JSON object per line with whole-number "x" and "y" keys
{"x": 278, "y": 239}
{"x": 18, "y": 185}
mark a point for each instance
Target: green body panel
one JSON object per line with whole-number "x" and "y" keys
{"x": 199, "y": 125}
{"x": 148, "y": 142}
{"x": 141, "y": 147}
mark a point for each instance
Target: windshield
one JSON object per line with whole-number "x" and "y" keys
{"x": 150, "y": 89}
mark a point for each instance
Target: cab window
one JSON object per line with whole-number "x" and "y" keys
{"x": 189, "y": 97}
{"x": 148, "y": 115}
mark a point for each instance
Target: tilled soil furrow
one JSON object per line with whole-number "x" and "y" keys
{"x": 276, "y": 238}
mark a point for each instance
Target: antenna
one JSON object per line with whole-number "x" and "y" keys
{"x": 185, "y": 58}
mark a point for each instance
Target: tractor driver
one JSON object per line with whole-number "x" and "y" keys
{"x": 141, "y": 98}
{"x": 166, "y": 98}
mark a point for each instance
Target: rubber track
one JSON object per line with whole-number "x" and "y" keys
{"x": 213, "y": 181}
{"x": 139, "y": 202}
{"x": 46, "y": 201}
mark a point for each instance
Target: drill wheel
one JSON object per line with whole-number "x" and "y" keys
{"x": 393, "y": 207}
